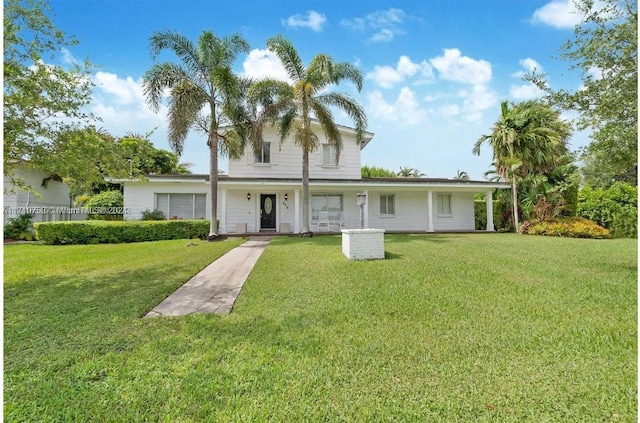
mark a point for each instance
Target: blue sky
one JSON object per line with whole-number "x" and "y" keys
{"x": 435, "y": 72}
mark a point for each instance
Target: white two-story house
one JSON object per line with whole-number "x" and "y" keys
{"x": 263, "y": 193}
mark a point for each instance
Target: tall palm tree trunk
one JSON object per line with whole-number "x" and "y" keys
{"x": 305, "y": 190}
{"x": 515, "y": 202}
{"x": 213, "y": 183}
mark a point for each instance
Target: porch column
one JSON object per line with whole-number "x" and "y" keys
{"x": 223, "y": 212}
{"x": 366, "y": 210}
{"x": 490, "y": 227}
{"x": 430, "y": 211}
{"x": 296, "y": 212}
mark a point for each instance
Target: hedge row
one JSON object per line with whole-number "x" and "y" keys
{"x": 102, "y": 232}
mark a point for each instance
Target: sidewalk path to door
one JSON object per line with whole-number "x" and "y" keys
{"x": 215, "y": 288}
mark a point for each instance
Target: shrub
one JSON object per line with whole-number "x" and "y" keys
{"x": 615, "y": 208}
{"x": 20, "y": 228}
{"x": 101, "y": 232}
{"x": 108, "y": 205}
{"x": 480, "y": 212}
{"x": 571, "y": 227}
{"x": 153, "y": 215}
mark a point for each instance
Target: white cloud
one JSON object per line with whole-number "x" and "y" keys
{"x": 449, "y": 110}
{"x": 384, "y": 35}
{"x": 561, "y": 14}
{"x": 529, "y": 66}
{"x": 476, "y": 101}
{"x": 264, "y": 63}
{"x": 525, "y": 92}
{"x": 67, "y": 57}
{"x": 387, "y": 76}
{"x": 404, "y": 111}
{"x": 385, "y": 23}
{"x": 125, "y": 91}
{"x": 452, "y": 66}
{"x": 311, "y": 19}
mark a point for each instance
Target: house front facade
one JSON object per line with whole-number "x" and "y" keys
{"x": 263, "y": 193}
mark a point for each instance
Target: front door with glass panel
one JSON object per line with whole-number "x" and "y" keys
{"x": 267, "y": 211}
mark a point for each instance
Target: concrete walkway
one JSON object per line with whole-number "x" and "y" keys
{"x": 216, "y": 287}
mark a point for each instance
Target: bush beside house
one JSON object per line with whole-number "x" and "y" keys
{"x": 100, "y": 232}
{"x": 615, "y": 208}
{"x": 480, "y": 213}
{"x": 570, "y": 227}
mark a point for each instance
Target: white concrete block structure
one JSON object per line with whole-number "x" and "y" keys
{"x": 363, "y": 244}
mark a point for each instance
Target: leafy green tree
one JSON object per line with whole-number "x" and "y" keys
{"x": 292, "y": 106}
{"x": 528, "y": 138}
{"x": 205, "y": 96}
{"x": 37, "y": 94}
{"x": 604, "y": 49}
{"x": 83, "y": 158}
{"x": 409, "y": 172}
{"x": 145, "y": 159}
{"x": 376, "y": 172}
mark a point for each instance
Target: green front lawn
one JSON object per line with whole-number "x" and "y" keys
{"x": 494, "y": 327}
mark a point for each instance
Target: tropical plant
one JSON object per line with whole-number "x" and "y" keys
{"x": 409, "y": 172}
{"x": 604, "y": 49}
{"x": 528, "y": 138}
{"x": 376, "y": 172}
{"x": 204, "y": 94}
{"x": 291, "y": 105}
{"x": 462, "y": 176}
{"x": 615, "y": 208}
{"x": 19, "y": 228}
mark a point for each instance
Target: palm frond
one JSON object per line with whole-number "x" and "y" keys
{"x": 158, "y": 78}
{"x": 345, "y": 103}
{"x": 180, "y": 45}
{"x": 288, "y": 55}
{"x": 331, "y": 132}
{"x": 185, "y": 104}
{"x": 344, "y": 70}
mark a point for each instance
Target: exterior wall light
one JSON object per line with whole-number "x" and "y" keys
{"x": 286, "y": 196}
{"x": 248, "y": 196}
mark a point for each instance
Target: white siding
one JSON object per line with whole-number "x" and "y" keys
{"x": 140, "y": 196}
{"x": 56, "y": 194}
{"x": 410, "y": 212}
{"x": 462, "y": 215}
{"x": 286, "y": 160}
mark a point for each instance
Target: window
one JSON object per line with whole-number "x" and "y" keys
{"x": 183, "y": 206}
{"x": 326, "y": 203}
{"x": 444, "y": 204}
{"x": 387, "y": 204}
{"x": 328, "y": 155}
{"x": 263, "y": 156}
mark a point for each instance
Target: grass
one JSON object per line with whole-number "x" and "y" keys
{"x": 449, "y": 328}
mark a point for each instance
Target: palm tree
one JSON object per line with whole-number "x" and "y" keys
{"x": 462, "y": 176}
{"x": 529, "y": 137}
{"x": 409, "y": 172}
{"x": 204, "y": 94}
{"x": 291, "y": 106}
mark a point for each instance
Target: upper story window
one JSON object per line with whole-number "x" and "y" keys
{"x": 444, "y": 204}
{"x": 388, "y": 205}
{"x": 328, "y": 155}
{"x": 263, "y": 156}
